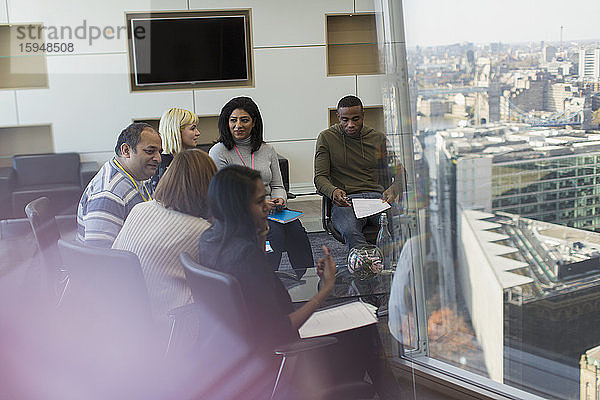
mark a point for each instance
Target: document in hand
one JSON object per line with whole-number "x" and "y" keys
{"x": 365, "y": 207}
{"x": 339, "y": 318}
{"x": 285, "y": 216}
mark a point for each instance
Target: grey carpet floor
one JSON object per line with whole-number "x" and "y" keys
{"x": 317, "y": 239}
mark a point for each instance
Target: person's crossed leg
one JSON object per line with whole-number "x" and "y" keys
{"x": 350, "y": 227}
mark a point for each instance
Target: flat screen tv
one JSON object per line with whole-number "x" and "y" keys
{"x": 188, "y": 50}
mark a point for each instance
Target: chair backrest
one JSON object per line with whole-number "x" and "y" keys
{"x": 45, "y": 231}
{"x": 216, "y": 291}
{"x": 106, "y": 286}
{"x": 326, "y": 219}
{"x": 46, "y": 169}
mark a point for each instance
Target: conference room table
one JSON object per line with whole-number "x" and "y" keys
{"x": 374, "y": 290}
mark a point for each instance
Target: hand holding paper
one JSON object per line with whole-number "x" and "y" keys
{"x": 365, "y": 207}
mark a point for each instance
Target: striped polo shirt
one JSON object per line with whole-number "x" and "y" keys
{"x": 105, "y": 204}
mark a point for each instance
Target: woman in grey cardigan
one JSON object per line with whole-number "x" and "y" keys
{"x": 241, "y": 143}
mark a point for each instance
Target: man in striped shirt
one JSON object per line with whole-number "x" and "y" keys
{"x": 119, "y": 185}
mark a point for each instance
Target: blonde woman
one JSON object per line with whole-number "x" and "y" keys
{"x": 178, "y": 129}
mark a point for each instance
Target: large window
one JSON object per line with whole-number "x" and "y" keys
{"x": 495, "y": 124}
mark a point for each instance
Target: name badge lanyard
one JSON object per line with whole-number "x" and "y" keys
{"x": 134, "y": 183}
{"x": 243, "y": 162}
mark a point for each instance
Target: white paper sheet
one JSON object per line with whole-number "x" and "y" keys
{"x": 337, "y": 319}
{"x": 365, "y": 207}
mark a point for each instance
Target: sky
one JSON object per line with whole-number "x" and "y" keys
{"x": 437, "y": 22}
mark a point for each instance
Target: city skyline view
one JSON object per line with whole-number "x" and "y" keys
{"x": 508, "y": 121}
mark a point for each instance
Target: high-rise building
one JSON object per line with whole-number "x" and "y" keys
{"x": 532, "y": 290}
{"x": 546, "y": 174}
{"x": 589, "y": 64}
{"x": 548, "y": 53}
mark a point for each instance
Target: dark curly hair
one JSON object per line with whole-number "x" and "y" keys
{"x": 248, "y": 105}
{"x": 349, "y": 101}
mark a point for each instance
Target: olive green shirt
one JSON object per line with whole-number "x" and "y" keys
{"x": 354, "y": 164}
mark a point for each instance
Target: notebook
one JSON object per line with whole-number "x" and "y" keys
{"x": 339, "y": 318}
{"x": 285, "y": 216}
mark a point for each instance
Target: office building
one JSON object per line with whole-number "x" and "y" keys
{"x": 589, "y": 64}
{"x": 546, "y": 174}
{"x": 548, "y": 53}
{"x": 532, "y": 290}
{"x": 589, "y": 368}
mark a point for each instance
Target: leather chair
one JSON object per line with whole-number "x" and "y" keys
{"x": 108, "y": 344}
{"x": 59, "y": 176}
{"x": 46, "y": 234}
{"x": 370, "y": 231}
{"x": 106, "y": 292}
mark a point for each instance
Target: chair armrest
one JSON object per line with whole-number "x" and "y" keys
{"x": 325, "y": 211}
{"x": 87, "y": 171}
{"x": 284, "y": 167}
{"x": 7, "y": 183}
{"x": 185, "y": 311}
{"x": 303, "y": 345}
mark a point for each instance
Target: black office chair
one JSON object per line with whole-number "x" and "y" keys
{"x": 46, "y": 234}
{"x": 103, "y": 325}
{"x": 105, "y": 291}
{"x": 370, "y": 231}
{"x": 222, "y": 304}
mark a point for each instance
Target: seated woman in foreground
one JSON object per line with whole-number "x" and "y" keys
{"x": 235, "y": 244}
{"x": 158, "y": 230}
{"x": 241, "y": 143}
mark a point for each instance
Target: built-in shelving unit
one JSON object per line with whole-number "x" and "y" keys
{"x": 373, "y": 117}
{"x": 352, "y": 45}
{"x": 22, "y": 60}
{"x": 35, "y": 139}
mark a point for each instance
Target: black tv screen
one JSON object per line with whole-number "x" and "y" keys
{"x": 189, "y": 50}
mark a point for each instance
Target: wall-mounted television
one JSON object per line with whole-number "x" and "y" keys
{"x": 186, "y": 50}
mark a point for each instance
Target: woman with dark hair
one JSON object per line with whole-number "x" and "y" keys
{"x": 241, "y": 143}
{"x": 235, "y": 245}
{"x": 158, "y": 230}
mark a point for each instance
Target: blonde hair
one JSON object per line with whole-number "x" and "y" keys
{"x": 171, "y": 123}
{"x": 184, "y": 185}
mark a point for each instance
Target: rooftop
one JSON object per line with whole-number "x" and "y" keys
{"x": 541, "y": 257}
{"x": 506, "y": 142}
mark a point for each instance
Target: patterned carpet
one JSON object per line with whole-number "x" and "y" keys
{"x": 317, "y": 239}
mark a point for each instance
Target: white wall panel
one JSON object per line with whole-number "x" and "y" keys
{"x": 300, "y": 155}
{"x": 8, "y": 108}
{"x": 364, "y": 5}
{"x": 294, "y": 95}
{"x": 283, "y": 22}
{"x": 3, "y": 13}
{"x": 95, "y": 14}
{"x": 210, "y": 101}
{"x": 294, "y": 92}
{"x": 88, "y": 110}
{"x": 369, "y": 89}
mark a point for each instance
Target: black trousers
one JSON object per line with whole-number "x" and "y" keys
{"x": 290, "y": 237}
